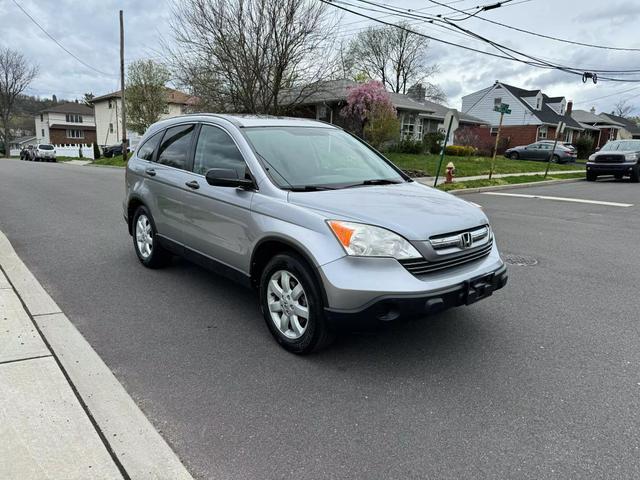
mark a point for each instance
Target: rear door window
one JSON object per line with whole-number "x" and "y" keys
{"x": 176, "y": 146}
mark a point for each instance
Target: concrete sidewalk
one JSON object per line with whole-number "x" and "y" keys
{"x": 63, "y": 415}
{"x": 441, "y": 179}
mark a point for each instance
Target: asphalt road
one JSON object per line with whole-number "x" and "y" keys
{"x": 542, "y": 380}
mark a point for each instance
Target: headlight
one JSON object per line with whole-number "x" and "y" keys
{"x": 631, "y": 156}
{"x": 369, "y": 241}
{"x": 592, "y": 157}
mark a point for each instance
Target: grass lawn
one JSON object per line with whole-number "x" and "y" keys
{"x": 507, "y": 181}
{"x": 116, "y": 161}
{"x": 470, "y": 166}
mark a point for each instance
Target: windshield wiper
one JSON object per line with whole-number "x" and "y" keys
{"x": 374, "y": 181}
{"x": 307, "y": 188}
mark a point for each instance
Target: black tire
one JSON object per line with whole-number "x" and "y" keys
{"x": 317, "y": 333}
{"x": 514, "y": 156}
{"x": 555, "y": 159}
{"x": 635, "y": 174}
{"x": 158, "y": 256}
{"x": 591, "y": 177}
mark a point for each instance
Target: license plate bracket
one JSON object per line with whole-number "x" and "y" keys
{"x": 478, "y": 288}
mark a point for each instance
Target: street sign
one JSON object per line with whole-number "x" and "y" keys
{"x": 502, "y": 108}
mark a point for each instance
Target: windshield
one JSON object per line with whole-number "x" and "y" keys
{"x": 622, "y": 145}
{"x": 298, "y": 157}
{"x": 45, "y": 147}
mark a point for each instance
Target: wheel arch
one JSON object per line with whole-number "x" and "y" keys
{"x": 132, "y": 206}
{"x": 268, "y": 247}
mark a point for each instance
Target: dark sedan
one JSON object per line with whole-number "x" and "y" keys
{"x": 541, "y": 151}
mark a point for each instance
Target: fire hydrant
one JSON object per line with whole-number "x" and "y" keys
{"x": 451, "y": 170}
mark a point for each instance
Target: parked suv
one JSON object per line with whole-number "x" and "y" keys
{"x": 43, "y": 153}
{"x": 617, "y": 158}
{"x": 323, "y": 226}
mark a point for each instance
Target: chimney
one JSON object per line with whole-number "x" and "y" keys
{"x": 593, "y": 110}
{"x": 569, "y": 108}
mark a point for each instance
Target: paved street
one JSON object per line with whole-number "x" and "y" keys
{"x": 540, "y": 381}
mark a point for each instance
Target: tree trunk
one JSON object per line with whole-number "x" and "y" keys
{"x": 6, "y": 140}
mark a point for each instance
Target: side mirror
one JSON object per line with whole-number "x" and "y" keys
{"x": 226, "y": 177}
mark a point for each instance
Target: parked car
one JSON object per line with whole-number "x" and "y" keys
{"x": 541, "y": 151}
{"x": 113, "y": 150}
{"x": 43, "y": 153}
{"x": 324, "y": 228}
{"x": 568, "y": 145}
{"x": 618, "y": 158}
{"x": 25, "y": 153}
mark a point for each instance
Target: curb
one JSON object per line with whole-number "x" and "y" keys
{"x": 136, "y": 444}
{"x": 104, "y": 166}
{"x": 464, "y": 191}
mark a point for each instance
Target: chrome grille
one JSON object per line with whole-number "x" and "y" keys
{"x": 454, "y": 242}
{"x": 420, "y": 266}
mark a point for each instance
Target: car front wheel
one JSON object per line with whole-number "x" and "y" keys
{"x": 145, "y": 240}
{"x": 591, "y": 177}
{"x": 292, "y": 305}
{"x": 513, "y": 156}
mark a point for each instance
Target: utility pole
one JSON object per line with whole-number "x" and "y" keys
{"x": 123, "y": 109}
{"x": 503, "y": 108}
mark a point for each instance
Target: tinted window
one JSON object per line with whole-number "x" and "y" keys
{"x": 216, "y": 149}
{"x": 174, "y": 150}
{"x": 146, "y": 150}
{"x": 45, "y": 147}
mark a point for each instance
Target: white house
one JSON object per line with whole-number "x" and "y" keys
{"x": 68, "y": 124}
{"x": 108, "y": 111}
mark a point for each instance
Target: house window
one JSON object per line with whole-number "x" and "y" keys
{"x": 542, "y": 132}
{"x": 497, "y": 101}
{"x": 494, "y": 131}
{"x": 408, "y": 126}
{"x": 74, "y": 133}
{"x": 43, "y": 133}
{"x": 111, "y": 128}
{"x": 568, "y": 136}
{"x": 73, "y": 118}
{"x": 612, "y": 134}
{"x": 110, "y": 104}
{"x": 41, "y": 117}
{"x": 538, "y": 105}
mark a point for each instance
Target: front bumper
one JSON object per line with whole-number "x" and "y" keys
{"x": 624, "y": 168}
{"x": 383, "y": 289}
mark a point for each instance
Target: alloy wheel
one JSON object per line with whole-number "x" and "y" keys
{"x": 144, "y": 236}
{"x": 288, "y": 306}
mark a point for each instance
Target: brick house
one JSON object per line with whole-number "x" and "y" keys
{"x": 67, "y": 124}
{"x": 601, "y": 128}
{"x": 534, "y": 115}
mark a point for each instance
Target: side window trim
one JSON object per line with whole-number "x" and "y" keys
{"x": 220, "y": 127}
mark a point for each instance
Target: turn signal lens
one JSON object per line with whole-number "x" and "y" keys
{"x": 343, "y": 232}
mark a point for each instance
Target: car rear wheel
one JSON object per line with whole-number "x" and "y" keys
{"x": 591, "y": 177}
{"x": 555, "y": 159}
{"x": 635, "y": 174}
{"x": 145, "y": 240}
{"x": 292, "y": 305}
{"x": 514, "y": 156}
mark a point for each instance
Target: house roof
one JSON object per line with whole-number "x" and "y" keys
{"x": 173, "y": 96}
{"x": 629, "y": 125}
{"x": 546, "y": 114}
{"x": 70, "y": 107}
{"x": 584, "y": 116}
{"x": 337, "y": 90}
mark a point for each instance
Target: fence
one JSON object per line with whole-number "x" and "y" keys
{"x": 66, "y": 151}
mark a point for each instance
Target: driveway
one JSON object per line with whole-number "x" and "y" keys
{"x": 540, "y": 381}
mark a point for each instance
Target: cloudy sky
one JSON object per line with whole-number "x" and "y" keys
{"x": 89, "y": 29}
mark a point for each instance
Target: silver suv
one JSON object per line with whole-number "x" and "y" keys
{"x": 324, "y": 227}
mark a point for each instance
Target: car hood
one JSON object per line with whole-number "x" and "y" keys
{"x": 411, "y": 209}
{"x": 616, "y": 152}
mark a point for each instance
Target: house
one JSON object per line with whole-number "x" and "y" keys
{"x": 417, "y": 117}
{"x": 67, "y": 124}
{"x": 108, "y": 110}
{"x": 599, "y": 127}
{"x": 534, "y": 115}
{"x": 18, "y": 143}
{"x": 628, "y": 128}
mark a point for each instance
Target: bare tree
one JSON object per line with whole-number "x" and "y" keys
{"x": 15, "y": 76}
{"x": 395, "y": 56}
{"x": 146, "y": 94}
{"x": 256, "y": 56}
{"x": 623, "y": 109}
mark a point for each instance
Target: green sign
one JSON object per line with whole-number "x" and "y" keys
{"x": 502, "y": 108}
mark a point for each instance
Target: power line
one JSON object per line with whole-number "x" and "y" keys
{"x": 59, "y": 44}
{"x": 529, "y": 32}
{"x": 505, "y": 52}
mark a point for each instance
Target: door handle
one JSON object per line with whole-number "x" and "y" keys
{"x": 193, "y": 184}
{"x": 151, "y": 172}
